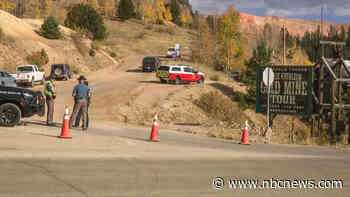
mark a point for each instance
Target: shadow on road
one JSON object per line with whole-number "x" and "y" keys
{"x": 135, "y": 138}
{"x": 46, "y": 135}
{"x": 134, "y": 71}
{"x": 187, "y": 124}
{"x": 58, "y": 125}
{"x": 153, "y": 82}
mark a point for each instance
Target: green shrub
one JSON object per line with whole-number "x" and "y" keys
{"x": 218, "y": 106}
{"x": 38, "y": 58}
{"x": 241, "y": 99}
{"x": 113, "y": 55}
{"x": 84, "y": 16}
{"x": 126, "y": 10}
{"x": 92, "y": 53}
{"x": 50, "y": 28}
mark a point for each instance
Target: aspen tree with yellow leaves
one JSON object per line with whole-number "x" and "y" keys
{"x": 6, "y": 5}
{"x": 94, "y": 4}
{"x": 231, "y": 43}
{"x": 108, "y": 8}
{"x": 206, "y": 45}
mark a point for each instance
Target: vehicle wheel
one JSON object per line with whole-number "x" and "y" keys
{"x": 177, "y": 80}
{"x": 10, "y": 115}
{"x": 58, "y": 71}
{"x": 162, "y": 81}
{"x": 200, "y": 80}
{"x": 2, "y": 83}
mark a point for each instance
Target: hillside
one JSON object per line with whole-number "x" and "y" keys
{"x": 254, "y": 25}
{"x": 58, "y": 8}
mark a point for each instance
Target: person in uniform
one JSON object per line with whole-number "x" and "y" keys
{"x": 77, "y": 121}
{"x": 81, "y": 93}
{"x": 50, "y": 94}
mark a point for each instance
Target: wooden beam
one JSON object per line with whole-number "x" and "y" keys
{"x": 333, "y": 111}
{"x": 345, "y": 67}
{"x": 315, "y": 97}
{"x": 343, "y": 106}
{"x": 343, "y": 80}
{"x": 332, "y": 42}
{"x": 329, "y": 68}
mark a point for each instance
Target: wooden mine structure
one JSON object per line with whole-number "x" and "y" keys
{"x": 329, "y": 77}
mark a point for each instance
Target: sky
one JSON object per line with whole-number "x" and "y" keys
{"x": 336, "y": 11}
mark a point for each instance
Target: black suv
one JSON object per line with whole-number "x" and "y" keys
{"x": 16, "y": 103}
{"x": 61, "y": 71}
{"x": 150, "y": 64}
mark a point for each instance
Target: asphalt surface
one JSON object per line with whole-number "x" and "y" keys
{"x": 179, "y": 165}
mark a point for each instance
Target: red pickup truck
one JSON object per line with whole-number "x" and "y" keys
{"x": 179, "y": 74}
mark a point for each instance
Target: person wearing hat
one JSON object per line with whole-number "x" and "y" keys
{"x": 50, "y": 94}
{"x": 81, "y": 93}
{"x": 80, "y": 113}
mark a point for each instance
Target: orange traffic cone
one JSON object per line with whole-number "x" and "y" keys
{"x": 154, "y": 132}
{"x": 245, "y": 140}
{"x": 65, "y": 131}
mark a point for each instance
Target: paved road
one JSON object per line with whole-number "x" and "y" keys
{"x": 126, "y": 164}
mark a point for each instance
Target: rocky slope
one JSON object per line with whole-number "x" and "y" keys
{"x": 255, "y": 24}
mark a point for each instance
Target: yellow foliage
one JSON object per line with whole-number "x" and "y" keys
{"x": 108, "y": 8}
{"x": 300, "y": 58}
{"x": 6, "y": 5}
{"x": 232, "y": 46}
{"x": 93, "y": 3}
{"x": 168, "y": 15}
{"x": 147, "y": 11}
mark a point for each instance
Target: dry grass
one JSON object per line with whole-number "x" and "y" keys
{"x": 215, "y": 77}
{"x": 130, "y": 37}
{"x": 78, "y": 42}
{"x": 219, "y": 106}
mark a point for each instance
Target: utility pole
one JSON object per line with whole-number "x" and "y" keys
{"x": 284, "y": 44}
{"x": 322, "y": 29}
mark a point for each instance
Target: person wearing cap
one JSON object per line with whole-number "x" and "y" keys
{"x": 81, "y": 93}
{"x": 80, "y": 113}
{"x": 50, "y": 94}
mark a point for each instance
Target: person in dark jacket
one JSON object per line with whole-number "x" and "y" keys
{"x": 80, "y": 113}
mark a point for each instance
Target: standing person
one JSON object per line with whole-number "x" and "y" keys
{"x": 77, "y": 121}
{"x": 50, "y": 94}
{"x": 81, "y": 94}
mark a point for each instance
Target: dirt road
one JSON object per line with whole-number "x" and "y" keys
{"x": 114, "y": 87}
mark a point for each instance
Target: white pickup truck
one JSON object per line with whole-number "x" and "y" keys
{"x": 29, "y": 75}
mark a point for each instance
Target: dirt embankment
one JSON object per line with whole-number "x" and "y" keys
{"x": 21, "y": 39}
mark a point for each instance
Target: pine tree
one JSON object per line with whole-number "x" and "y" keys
{"x": 126, "y": 10}
{"x": 50, "y": 28}
{"x": 175, "y": 12}
{"x": 85, "y": 17}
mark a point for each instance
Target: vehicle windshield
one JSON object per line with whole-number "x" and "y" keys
{"x": 164, "y": 68}
{"x": 25, "y": 69}
{"x": 171, "y": 49}
{"x": 149, "y": 60}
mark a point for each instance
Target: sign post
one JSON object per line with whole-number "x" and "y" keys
{"x": 268, "y": 77}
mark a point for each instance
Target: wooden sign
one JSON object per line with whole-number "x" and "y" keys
{"x": 290, "y": 93}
